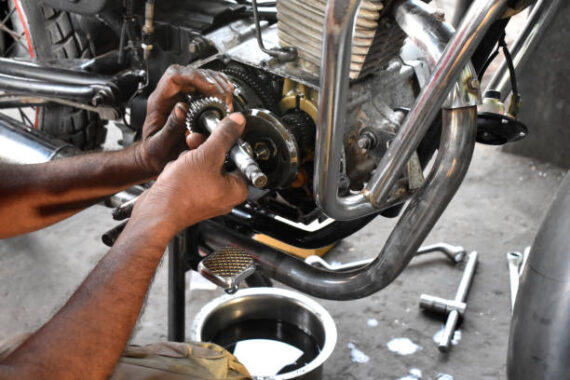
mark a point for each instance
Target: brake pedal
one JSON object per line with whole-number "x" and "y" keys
{"x": 227, "y": 268}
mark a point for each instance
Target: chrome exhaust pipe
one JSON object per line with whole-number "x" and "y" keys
{"x": 20, "y": 144}
{"x": 453, "y": 159}
{"x": 452, "y": 63}
{"x": 456, "y": 149}
{"x": 448, "y": 65}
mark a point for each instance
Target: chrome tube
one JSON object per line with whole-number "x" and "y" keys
{"x": 539, "y": 19}
{"x": 454, "y": 156}
{"x": 22, "y": 145}
{"x": 431, "y": 35}
{"x": 456, "y": 56}
{"x": 340, "y": 16}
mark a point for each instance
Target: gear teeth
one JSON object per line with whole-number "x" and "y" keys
{"x": 199, "y": 106}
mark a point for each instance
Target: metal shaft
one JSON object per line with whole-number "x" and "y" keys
{"x": 514, "y": 260}
{"x": 539, "y": 19}
{"x": 238, "y": 154}
{"x": 460, "y": 296}
{"x": 470, "y": 32}
{"x": 454, "y": 253}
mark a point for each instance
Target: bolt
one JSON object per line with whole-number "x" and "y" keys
{"x": 366, "y": 141}
{"x": 439, "y": 15}
{"x": 473, "y": 84}
{"x": 262, "y": 152}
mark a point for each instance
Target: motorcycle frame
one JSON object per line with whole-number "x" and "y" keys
{"x": 452, "y": 87}
{"x": 30, "y": 83}
{"x": 450, "y": 61}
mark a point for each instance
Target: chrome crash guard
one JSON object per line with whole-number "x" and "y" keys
{"x": 453, "y": 87}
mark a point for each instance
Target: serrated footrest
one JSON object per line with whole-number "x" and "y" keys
{"x": 227, "y": 268}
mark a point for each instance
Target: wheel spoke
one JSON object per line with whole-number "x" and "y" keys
{"x": 8, "y": 16}
{"x": 25, "y": 118}
{"x": 9, "y": 50}
{"x": 17, "y": 37}
{"x": 6, "y": 28}
{"x": 12, "y": 33}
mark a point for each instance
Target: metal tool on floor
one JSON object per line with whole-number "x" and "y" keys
{"x": 455, "y": 253}
{"x": 516, "y": 264}
{"x": 514, "y": 260}
{"x": 526, "y": 252}
{"x": 454, "y": 308}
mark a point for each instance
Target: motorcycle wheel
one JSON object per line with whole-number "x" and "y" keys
{"x": 33, "y": 30}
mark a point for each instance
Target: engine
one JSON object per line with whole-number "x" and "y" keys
{"x": 280, "y": 99}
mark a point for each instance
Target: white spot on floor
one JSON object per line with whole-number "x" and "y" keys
{"x": 403, "y": 346}
{"x": 454, "y": 341}
{"x": 372, "y": 322}
{"x": 443, "y": 376}
{"x": 357, "y": 355}
{"x": 415, "y": 374}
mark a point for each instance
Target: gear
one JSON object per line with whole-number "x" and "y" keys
{"x": 242, "y": 76}
{"x": 302, "y": 127}
{"x": 196, "y": 107}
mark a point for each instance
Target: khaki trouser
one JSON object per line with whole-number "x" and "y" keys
{"x": 164, "y": 360}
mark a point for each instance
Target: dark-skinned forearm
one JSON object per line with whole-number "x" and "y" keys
{"x": 35, "y": 196}
{"x": 98, "y": 319}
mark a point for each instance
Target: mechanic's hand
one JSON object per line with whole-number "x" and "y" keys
{"x": 194, "y": 188}
{"x": 163, "y": 135}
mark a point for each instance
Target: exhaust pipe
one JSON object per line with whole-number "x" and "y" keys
{"x": 454, "y": 155}
{"x": 20, "y": 144}
{"x": 425, "y": 208}
{"x": 448, "y": 63}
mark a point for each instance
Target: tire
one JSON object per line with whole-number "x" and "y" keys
{"x": 50, "y": 34}
{"x": 539, "y": 343}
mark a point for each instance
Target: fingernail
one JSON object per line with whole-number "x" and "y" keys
{"x": 237, "y": 117}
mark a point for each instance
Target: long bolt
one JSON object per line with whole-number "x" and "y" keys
{"x": 240, "y": 157}
{"x": 460, "y": 296}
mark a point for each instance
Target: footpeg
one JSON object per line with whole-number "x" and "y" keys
{"x": 227, "y": 268}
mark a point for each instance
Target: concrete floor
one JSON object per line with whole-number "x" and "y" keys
{"x": 498, "y": 209}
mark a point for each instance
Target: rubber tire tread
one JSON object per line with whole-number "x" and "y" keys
{"x": 81, "y": 128}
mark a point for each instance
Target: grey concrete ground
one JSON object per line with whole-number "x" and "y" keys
{"x": 498, "y": 209}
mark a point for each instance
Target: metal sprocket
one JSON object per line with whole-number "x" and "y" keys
{"x": 196, "y": 107}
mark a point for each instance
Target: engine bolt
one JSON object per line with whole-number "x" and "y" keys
{"x": 366, "y": 141}
{"x": 473, "y": 84}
